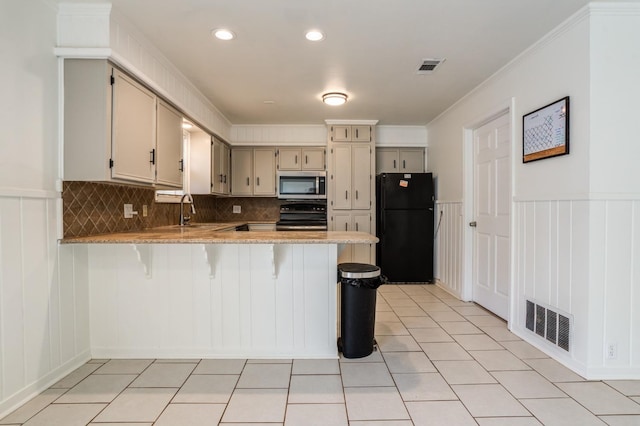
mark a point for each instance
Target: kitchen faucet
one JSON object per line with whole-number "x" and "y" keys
{"x": 184, "y": 220}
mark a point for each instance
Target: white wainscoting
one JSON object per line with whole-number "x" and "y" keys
{"x": 214, "y": 301}
{"x": 449, "y": 246}
{"x": 583, "y": 258}
{"x": 44, "y": 317}
{"x": 264, "y": 134}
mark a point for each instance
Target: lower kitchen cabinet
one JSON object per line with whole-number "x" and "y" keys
{"x": 354, "y": 221}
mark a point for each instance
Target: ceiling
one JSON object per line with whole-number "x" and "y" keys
{"x": 371, "y": 52}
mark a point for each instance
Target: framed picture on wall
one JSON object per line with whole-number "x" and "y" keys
{"x": 545, "y": 131}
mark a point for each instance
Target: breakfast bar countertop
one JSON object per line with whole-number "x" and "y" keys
{"x": 223, "y": 233}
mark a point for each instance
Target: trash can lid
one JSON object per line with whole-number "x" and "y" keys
{"x": 358, "y": 270}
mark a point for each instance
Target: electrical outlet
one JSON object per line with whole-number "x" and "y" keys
{"x": 128, "y": 211}
{"x": 237, "y": 209}
{"x": 612, "y": 351}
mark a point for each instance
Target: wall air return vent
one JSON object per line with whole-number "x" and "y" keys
{"x": 428, "y": 66}
{"x": 549, "y": 324}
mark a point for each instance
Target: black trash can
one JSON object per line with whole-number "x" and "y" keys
{"x": 359, "y": 282}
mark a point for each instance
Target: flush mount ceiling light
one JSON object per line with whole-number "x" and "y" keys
{"x": 334, "y": 98}
{"x": 223, "y": 34}
{"x": 314, "y": 35}
{"x": 186, "y": 124}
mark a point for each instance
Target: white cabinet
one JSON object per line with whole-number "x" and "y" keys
{"x": 220, "y": 165}
{"x": 354, "y": 221}
{"x": 399, "y": 160}
{"x": 115, "y": 128}
{"x": 351, "y": 177}
{"x": 253, "y": 172}
{"x": 355, "y": 133}
{"x": 291, "y": 158}
{"x": 169, "y": 163}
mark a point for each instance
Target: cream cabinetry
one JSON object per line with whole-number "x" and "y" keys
{"x": 351, "y": 177}
{"x": 292, "y": 158}
{"x": 208, "y": 164}
{"x": 351, "y": 197}
{"x": 115, "y": 128}
{"x": 220, "y": 166}
{"x": 351, "y": 133}
{"x": 169, "y": 164}
{"x": 354, "y": 221}
{"x": 399, "y": 160}
{"x": 253, "y": 172}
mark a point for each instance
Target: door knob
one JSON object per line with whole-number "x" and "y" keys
{"x": 473, "y": 224}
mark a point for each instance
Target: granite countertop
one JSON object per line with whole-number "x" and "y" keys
{"x": 222, "y": 233}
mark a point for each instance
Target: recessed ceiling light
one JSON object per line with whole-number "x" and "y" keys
{"x": 223, "y": 34}
{"x": 314, "y": 35}
{"x": 334, "y": 98}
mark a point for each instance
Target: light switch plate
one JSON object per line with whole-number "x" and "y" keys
{"x": 237, "y": 209}
{"x": 145, "y": 210}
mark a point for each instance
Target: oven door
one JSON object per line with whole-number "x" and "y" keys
{"x": 302, "y": 185}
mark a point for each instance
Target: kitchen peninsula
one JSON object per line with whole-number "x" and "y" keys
{"x": 202, "y": 292}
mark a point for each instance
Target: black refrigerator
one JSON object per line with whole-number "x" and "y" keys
{"x": 405, "y": 209}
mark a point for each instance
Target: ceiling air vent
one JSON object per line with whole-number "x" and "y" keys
{"x": 428, "y": 66}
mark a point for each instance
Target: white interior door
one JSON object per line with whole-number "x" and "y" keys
{"x": 492, "y": 213}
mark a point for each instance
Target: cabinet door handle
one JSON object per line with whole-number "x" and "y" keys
{"x": 152, "y": 153}
{"x": 356, "y": 226}
{"x": 248, "y": 182}
{"x": 296, "y": 162}
{"x": 346, "y": 195}
{"x": 346, "y": 226}
{"x": 306, "y": 159}
{"x": 404, "y": 164}
{"x": 345, "y": 132}
{"x": 258, "y": 181}
{"x": 181, "y": 165}
{"x": 220, "y": 179}
{"x": 225, "y": 179}
{"x": 356, "y": 133}
{"x": 394, "y": 164}
{"x": 356, "y": 194}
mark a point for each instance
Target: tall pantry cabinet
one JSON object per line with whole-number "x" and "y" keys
{"x": 351, "y": 171}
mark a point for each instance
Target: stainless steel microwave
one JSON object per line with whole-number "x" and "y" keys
{"x": 302, "y": 185}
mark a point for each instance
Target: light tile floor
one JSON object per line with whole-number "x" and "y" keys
{"x": 440, "y": 362}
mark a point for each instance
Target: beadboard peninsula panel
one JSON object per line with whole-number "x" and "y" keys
{"x": 225, "y": 300}
{"x": 449, "y": 243}
{"x": 43, "y": 311}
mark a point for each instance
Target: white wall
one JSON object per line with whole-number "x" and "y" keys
{"x": 43, "y": 316}
{"x": 574, "y": 218}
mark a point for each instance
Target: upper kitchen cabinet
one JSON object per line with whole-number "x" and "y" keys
{"x": 220, "y": 165}
{"x": 114, "y": 128}
{"x": 253, "y": 172}
{"x": 357, "y": 133}
{"x": 307, "y": 158}
{"x": 351, "y": 177}
{"x": 169, "y": 162}
{"x": 399, "y": 160}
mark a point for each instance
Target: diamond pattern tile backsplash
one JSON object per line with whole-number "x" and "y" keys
{"x": 91, "y": 208}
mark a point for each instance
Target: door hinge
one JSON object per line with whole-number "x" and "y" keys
{"x": 112, "y": 80}
{"x": 110, "y": 163}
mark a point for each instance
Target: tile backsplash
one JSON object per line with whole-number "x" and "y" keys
{"x": 91, "y": 208}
